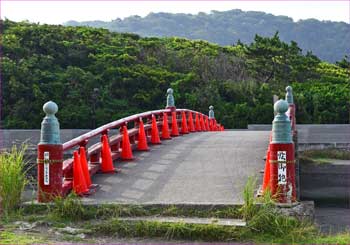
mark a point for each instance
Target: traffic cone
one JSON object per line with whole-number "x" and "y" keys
{"x": 207, "y": 124}
{"x": 126, "y": 153}
{"x": 106, "y": 157}
{"x": 266, "y": 181}
{"x": 155, "y": 134}
{"x": 184, "y": 129}
{"x": 79, "y": 184}
{"x": 165, "y": 128}
{"x": 174, "y": 127}
{"x": 198, "y": 126}
{"x": 201, "y": 120}
{"x": 142, "y": 141}
{"x": 190, "y": 122}
{"x": 84, "y": 166}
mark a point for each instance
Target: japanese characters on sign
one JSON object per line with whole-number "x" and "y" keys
{"x": 46, "y": 168}
{"x": 282, "y": 167}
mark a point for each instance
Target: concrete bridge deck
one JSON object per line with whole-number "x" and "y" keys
{"x": 202, "y": 168}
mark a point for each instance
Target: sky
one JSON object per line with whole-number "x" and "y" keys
{"x": 58, "y": 12}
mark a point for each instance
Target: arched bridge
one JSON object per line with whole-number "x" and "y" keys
{"x": 163, "y": 156}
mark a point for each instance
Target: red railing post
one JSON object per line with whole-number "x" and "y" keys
{"x": 50, "y": 156}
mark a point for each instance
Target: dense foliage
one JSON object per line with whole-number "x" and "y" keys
{"x": 97, "y": 76}
{"x": 328, "y": 40}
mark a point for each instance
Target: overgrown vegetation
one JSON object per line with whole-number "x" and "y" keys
{"x": 106, "y": 76}
{"x": 12, "y": 179}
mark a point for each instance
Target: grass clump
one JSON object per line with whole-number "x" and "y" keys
{"x": 249, "y": 209}
{"x": 168, "y": 231}
{"x": 8, "y": 237}
{"x": 68, "y": 208}
{"x": 12, "y": 178}
{"x": 266, "y": 223}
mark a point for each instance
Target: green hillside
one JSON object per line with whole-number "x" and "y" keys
{"x": 328, "y": 40}
{"x": 67, "y": 64}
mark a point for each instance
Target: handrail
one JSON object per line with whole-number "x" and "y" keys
{"x": 77, "y": 141}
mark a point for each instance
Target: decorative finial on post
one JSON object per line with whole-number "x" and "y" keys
{"x": 211, "y": 112}
{"x": 289, "y": 95}
{"x": 170, "y": 101}
{"x": 50, "y": 127}
{"x": 281, "y": 128}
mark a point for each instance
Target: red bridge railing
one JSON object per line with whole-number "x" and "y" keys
{"x": 55, "y": 175}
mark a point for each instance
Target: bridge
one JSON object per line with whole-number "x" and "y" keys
{"x": 170, "y": 156}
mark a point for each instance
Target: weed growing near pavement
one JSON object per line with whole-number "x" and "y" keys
{"x": 69, "y": 207}
{"x": 264, "y": 220}
{"x": 12, "y": 178}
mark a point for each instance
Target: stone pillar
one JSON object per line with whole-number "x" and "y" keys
{"x": 282, "y": 158}
{"x": 170, "y": 101}
{"x": 50, "y": 156}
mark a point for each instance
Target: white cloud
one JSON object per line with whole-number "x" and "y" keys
{"x": 57, "y": 12}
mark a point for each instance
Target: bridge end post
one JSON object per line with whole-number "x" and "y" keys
{"x": 291, "y": 106}
{"x": 170, "y": 101}
{"x": 282, "y": 157}
{"x": 50, "y": 156}
{"x": 211, "y": 118}
{"x": 292, "y": 110}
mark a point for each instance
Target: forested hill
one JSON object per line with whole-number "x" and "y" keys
{"x": 96, "y": 76}
{"x": 328, "y": 40}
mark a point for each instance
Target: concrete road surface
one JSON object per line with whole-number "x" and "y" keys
{"x": 208, "y": 167}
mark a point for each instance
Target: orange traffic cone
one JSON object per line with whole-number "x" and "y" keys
{"x": 84, "y": 166}
{"x": 215, "y": 125}
{"x": 106, "y": 156}
{"x": 190, "y": 122}
{"x": 266, "y": 181}
{"x": 155, "y": 134}
{"x": 184, "y": 129}
{"x": 165, "y": 128}
{"x": 174, "y": 127}
{"x": 79, "y": 184}
{"x": 202, "y": 122}
{"x": 142, "y": 141}
{"x": 198, "y": 126}
{"x": 126, "y": 153}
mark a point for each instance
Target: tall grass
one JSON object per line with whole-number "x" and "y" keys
{"x": 249, "y": 208}
{"x": 264, "y": 219}
{"x": 12, "y": 178}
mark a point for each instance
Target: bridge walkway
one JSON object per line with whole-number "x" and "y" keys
{"x": 201, "y": 168}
